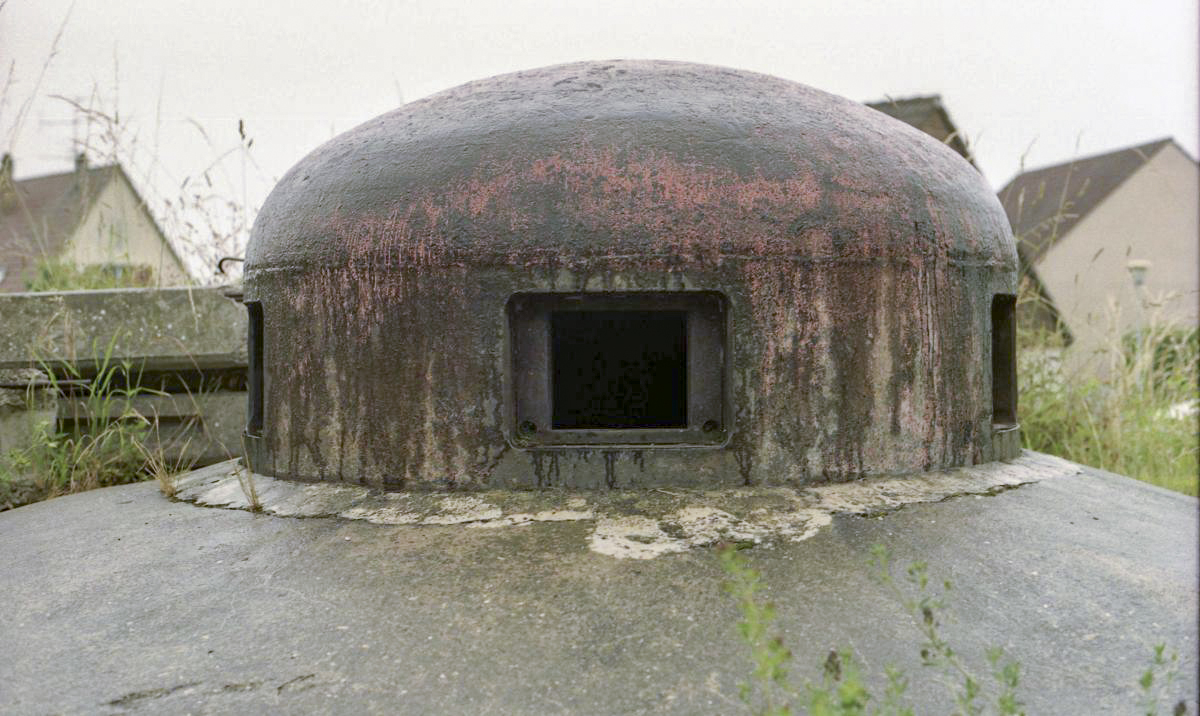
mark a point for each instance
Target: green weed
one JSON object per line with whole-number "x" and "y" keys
{"x": 1157, "y": 682}
{"x": 843, "y": 690}
{"x": 925, "y": 600}
{"x": 768, "y": 688}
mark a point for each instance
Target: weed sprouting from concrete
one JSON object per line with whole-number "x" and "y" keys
{"x": 842, "y": 690}
{"x": 245, "y": 480}
{"x": 925, "y": 606}
{"x": 769, "y": 691}
{"x": 768, "y": 686}
{"x": 161, "y": 468}
{"x": 1157, "y": 681}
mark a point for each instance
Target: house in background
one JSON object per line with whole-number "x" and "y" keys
{"x": 91, "y": 220}
{"x": 1112, "y": 242}
{"x": 927, "y": 114}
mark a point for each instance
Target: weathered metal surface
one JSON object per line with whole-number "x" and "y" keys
{"x": 858, "y": 257}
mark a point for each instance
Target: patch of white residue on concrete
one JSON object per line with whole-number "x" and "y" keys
{"x": 625, "y": 524}
{"x": 634, "y": 537}
{"x": 525, "y": 518}
{"x": 227, "y": 493}
{"x": 392, "y": 508}
{"x": 457, "y": 510}
{"x": 638, "y": 537}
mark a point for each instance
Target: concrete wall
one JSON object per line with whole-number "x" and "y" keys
{"x": 169, "y": 329}
{"x": 118, "y": 230}
{"x": 22, "y": 410}
{"x": 187, "y": 345}
{"x": 1151, "y": 216}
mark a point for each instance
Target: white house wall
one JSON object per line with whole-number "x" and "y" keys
{"x": 117, "y": 230}
{"x": 1151, "y": 216}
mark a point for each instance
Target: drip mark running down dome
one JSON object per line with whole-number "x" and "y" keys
{"x": 629, "y": 273}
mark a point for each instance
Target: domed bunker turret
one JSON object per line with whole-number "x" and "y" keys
{"x": 629, "y": 273}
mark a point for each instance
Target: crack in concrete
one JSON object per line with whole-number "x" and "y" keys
{"x": 134, "y": 697}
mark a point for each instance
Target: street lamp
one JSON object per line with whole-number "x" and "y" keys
{"x": 1137, "y": 271}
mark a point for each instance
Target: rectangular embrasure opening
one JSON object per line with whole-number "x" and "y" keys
{"x": 1004, "y": 359}
{"x": 619, "y": 369}
{"x": 254, "y": 379}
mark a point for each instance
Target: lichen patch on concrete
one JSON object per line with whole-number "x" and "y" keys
{"x": 627, "y": 524}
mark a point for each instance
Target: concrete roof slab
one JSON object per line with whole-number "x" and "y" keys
{"x": 119, "y": 599}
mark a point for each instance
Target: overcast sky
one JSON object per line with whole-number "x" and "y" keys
{"x": 1035, "y": 81}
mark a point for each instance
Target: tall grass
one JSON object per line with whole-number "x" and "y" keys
{"x": 106, "y": 440}
{"x": 100, "y": 439}
{"x": 58, "y": 275}
{"x": 1135, "y": 415}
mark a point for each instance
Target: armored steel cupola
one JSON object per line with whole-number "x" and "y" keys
{"x": 614, "y": 274}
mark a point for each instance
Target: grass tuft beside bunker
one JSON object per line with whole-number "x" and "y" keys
{"x": 92, "y": 436}
{"x": 1136, "y": 415}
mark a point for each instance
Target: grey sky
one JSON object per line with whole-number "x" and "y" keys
{"x": 1049, "y": 80}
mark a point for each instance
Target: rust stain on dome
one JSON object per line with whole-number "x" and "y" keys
{"x": 858, "y": 258}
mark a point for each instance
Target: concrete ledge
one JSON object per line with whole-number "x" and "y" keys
{"x": 169, "y": 329}
{"x": 626, "y": 524}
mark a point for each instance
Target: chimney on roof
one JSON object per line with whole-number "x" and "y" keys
{"x": 81, "y": 171}
{"x": 8, "y": 190}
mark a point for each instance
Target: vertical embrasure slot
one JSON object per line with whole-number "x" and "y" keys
{"x": 1004, "y": 359}
{"x": 254, "y": 422}
{"x": 618, "y": 369}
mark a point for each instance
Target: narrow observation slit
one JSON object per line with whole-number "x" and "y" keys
{"x": 254, "y": 379}
{"x": 619, "y": 369}
{"x": 1004, "y": 359}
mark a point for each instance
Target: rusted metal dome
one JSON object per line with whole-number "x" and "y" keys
{"x": 629, "y": 273}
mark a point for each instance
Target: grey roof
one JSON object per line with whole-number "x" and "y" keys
{"x": 38, "y": 216}
{"x": 928, "y": 114}
{"x": 1043, "y": 205}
